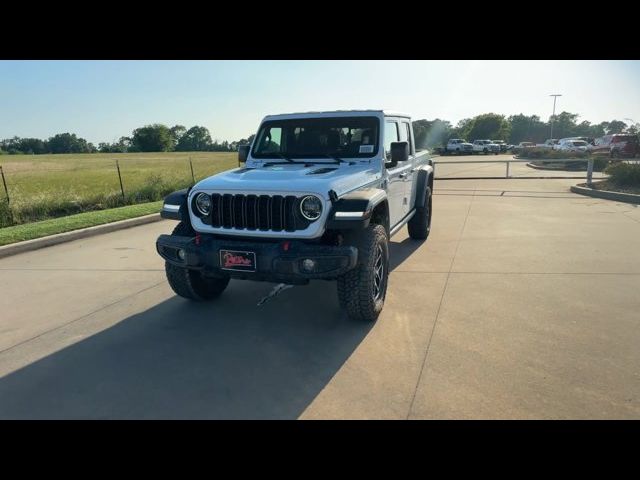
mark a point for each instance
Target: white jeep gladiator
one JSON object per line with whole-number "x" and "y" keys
{"x": 319, "y": 196}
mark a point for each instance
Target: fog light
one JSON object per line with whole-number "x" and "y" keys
{"x": 181, "y": 254}
{"x": 308, "y": 265}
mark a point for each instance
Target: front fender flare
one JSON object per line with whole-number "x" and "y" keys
{"x": 353, "y": 210}
{"x": 175, "y": 206}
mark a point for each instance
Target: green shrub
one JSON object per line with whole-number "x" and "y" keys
{"x": 624, "y": 174}
{"x": 6, "y": 217}
{"x": 548, "y": 154}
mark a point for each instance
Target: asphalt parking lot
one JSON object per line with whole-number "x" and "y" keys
{"x": 523, "y": 303}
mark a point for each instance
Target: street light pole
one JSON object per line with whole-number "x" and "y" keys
{"x": 555, "y": 96}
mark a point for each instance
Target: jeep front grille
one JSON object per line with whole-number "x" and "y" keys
{"x": 256, "y": 212}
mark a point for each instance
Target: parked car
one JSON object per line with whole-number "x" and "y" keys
{"x": 319, "y": 197}
{"x": 571, "y": 145}
{"x": 486, "y": 147}
{"x": 502, "y": 144}
{"x": 589, "y": 140}
{"x": 521, "y": 146}
{"x": 616, "y": 145}
{"x": 459, "y": 146}
{"x": 549, "y": 143}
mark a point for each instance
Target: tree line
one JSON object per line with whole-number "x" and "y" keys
{"x": 428, "y": 134}
{"x": 150, "y": 138}
{"x": 514, "y": 129}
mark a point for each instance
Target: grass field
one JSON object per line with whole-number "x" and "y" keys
{"x": 29, "y": 231}
{"x": 49, "y": 186}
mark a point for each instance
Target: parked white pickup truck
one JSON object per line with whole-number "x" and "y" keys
{"x": 549, "y": 143}
{"x": 486, "y": 147}
{"x": 319, "y": 196}
{"x": 457, "y": 146}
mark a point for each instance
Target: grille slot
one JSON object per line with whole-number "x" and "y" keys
{"x": 275, "y": 213}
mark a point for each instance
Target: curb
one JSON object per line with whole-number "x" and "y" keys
{"x": 36, "y": 243}
{"x": 607, "y": 195}
{"x": 547, "y": 167}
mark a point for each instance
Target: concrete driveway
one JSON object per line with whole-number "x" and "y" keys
{"x": 523, "y": 303}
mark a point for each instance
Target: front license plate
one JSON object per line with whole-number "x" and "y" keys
{"x": 238, "y": 260}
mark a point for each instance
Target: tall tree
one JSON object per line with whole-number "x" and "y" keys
{"x": 32, "y": 146}
{"x": 67, "y": 143}
{"x": 176, "y": 132}
{"x": 616, "y": 126}
{"x": 429, "y": 134}
{"x": 195, "y": 139}
{"x": 490, "y": 126}
{"x": 526, "y": 128}
{"x": 564, "y": 125}
{"x": 152, "y": 138}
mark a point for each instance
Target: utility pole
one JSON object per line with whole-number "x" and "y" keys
{"x": 555, "y": 96}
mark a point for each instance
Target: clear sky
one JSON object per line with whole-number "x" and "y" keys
{"x": 103, "y": 100}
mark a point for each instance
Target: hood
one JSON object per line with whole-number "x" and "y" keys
{"x": 316, "y": 178}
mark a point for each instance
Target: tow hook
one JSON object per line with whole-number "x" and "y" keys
{"x": 281, "y": 287}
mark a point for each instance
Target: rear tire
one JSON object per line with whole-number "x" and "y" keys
{"x": 191, "y": 284}
{"x": 420, "y": 224}
{"x": 362, "y": 290}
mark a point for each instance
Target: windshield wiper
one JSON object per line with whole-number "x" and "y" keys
{"x": 335, "y": 157}
{"x": 284, "y": 157}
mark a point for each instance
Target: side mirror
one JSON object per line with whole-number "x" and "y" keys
{"x": 399, "y": 153}
{"x": 243, "y": 153}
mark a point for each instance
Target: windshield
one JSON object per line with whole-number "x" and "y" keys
{"x": 350, "y": 137}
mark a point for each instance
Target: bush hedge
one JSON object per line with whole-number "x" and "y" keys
{"x": 548, "y": 154}
{"x": 624, "y": 174}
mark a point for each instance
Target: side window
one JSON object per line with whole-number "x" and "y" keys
{"x": 405, "y": 136}
{"x": 390, "y": 136}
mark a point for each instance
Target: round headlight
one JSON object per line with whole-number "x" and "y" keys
{"x": 311, "y": 207}
{"x": 203, "y": 204}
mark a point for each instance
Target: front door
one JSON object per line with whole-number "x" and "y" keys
{"x": 410, "y": 180}
{"x": 396, "y": 176}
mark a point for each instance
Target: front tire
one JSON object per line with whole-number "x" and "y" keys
{"x": 420, "y": 224}
{"x": 362, "y": 290}
{"x": 191, "y": 284}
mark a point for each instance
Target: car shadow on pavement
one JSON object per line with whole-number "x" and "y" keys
{"x": 183, "y": 360}
{"x": 399, "y": 252}
{"x": 227, "y": 359}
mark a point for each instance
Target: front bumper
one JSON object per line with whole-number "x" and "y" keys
{"x": 279, "y": 261}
